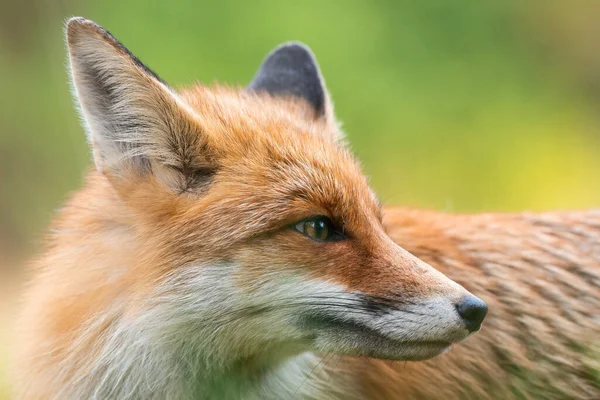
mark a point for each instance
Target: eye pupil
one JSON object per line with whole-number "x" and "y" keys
{"x": 317, "y": 229}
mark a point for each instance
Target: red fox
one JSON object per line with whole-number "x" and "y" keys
{"x": 228, "y": 246}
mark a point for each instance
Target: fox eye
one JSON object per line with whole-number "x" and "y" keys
{"x": 319, "y": 228}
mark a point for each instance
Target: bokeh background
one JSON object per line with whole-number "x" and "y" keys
{"x": 460, "y": 106}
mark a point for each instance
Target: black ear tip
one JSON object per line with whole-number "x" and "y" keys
{"x": 291, "y": 53}
{"x": 294, "y": 47}
{"x": 291, "y": 69}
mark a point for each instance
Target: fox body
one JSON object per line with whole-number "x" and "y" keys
{"x": 227, "y": 245}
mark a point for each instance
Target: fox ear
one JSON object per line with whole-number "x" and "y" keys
{"x": 292, "y": 70}
{"x": 135, "y": 122}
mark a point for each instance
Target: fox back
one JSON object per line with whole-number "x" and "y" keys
{"x": 224, "y": 243}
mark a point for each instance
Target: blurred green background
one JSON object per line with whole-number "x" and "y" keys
{"x": 452, "y": 105}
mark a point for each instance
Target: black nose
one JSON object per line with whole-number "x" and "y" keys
{"x": 473, "y": 311}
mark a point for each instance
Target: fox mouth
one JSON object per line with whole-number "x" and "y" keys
{"x": 341, "y": 336}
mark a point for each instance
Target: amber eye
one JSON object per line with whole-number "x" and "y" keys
{"x": 319, "y": 228}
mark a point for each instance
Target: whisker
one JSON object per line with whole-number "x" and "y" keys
{"x": 308, "y": 376}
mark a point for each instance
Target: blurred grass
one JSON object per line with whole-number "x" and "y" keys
{"x": 9, "y": 288}
{"x": 461, "y": 106}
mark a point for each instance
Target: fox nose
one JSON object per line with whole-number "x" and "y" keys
{"x": 472, "y": 310}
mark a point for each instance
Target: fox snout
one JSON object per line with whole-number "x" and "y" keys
{"x": 428, "y": 284}
{"x": 389, "y": 303}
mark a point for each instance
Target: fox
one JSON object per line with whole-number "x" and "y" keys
{"x": 224, "y": 239}
{"x": 227, "y": 245}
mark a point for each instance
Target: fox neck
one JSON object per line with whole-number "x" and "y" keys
{"x": 175, "y": 345}
{"x": 175, "y": 348}
{"x": 272, "y": 378}
{"x": 143, "y": 365}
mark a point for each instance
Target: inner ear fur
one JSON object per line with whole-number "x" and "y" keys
{"x": 135, "y": 122}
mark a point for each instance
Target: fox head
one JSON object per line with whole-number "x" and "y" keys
{"x": 243, "y": 223}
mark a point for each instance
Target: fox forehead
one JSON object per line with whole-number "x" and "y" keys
{"x": 272, "y": 147}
